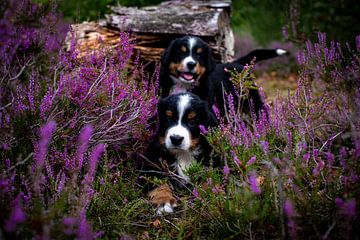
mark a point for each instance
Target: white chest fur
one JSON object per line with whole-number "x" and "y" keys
{"x": 184, "y": 161}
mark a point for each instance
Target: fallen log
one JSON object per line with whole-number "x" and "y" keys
{"x": 154, "y": 27}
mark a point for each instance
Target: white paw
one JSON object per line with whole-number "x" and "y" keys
{"x": 280, "y": 51}
{"x": 165, "y": 208}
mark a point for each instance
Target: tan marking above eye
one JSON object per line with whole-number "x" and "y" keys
{"x": 199, "y": 50}
{"x": 183, "y": 48}
{"x": 169, "y": 113}
{"x": 191, "y": 115}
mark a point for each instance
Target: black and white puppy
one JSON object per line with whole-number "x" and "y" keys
{"x": 188, "y": 66}
{"x": 178, "y": 143}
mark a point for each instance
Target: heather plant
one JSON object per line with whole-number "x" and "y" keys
{"x": 60, "y": 113}
{"x": 73, "y": 124}
{"x": 299, "y": 159}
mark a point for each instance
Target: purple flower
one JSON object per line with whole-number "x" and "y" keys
{"x": 319, "y": 166}
{"x": 289, "y": 209}
{"x": 329, "y": 159}
{"x": 347, "y": 208}
{"x": 41, "y": 148}
{"x": 226, "y": 172}
{"x": 195, "y": 193}
{"x": 251, "y": 161}
{"x": 94, "y": 158}
{"x": 83, "y": 143}
{"x": 203, "y": 129}
{"x": 253, "y": 183}
{"x": 84, "y": 231}
{"x": 236, "y": 159}
{"x": 17, "y": 216}
{"x": 290, "y": 213}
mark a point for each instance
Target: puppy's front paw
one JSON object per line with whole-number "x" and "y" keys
{"x": 163, "y": 199}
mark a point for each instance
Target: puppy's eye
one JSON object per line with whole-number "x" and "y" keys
{"x": 192, "y": 122}
{"x": 183, "y": 49}
{"x": 199, "y": 51}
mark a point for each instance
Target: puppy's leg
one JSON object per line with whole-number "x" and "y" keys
{"x": 162, "y": 197}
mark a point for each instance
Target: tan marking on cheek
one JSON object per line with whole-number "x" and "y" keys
{"x": 183, "y": 48}
{"x": 194, "y": 143}
{"x": 169, "y": 113}
{"x": 191, "y": 115}
{"x": 199, "y": 50}
{"x": 200, "y": 70}
{"x": 174, "y": 68}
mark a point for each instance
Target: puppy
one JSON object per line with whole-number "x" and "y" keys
{"x": 188, "y": 66}
{"x": 177, "y": 145}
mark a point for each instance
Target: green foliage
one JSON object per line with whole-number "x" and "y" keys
{"x": 265, "y": 19}
{"x": 92, "y": 10}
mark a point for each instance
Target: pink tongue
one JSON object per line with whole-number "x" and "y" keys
{"x": 187, "y": 76}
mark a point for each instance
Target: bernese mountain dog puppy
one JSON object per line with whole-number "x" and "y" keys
{"x": 177, "y": 145}
{"x": 187, "y": 65}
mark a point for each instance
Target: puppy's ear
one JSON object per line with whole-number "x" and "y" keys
{"x": 211, "y": 60}
{"x": 210, "y": 116}
{"x": 161, "y": 104}
{"x": 167, "y": 53}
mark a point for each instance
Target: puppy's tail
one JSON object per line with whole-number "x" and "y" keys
{"x": 261, "y": 54}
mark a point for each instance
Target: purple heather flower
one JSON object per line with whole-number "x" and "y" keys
{"x": 289, "y": 209}
{"x": 251, "y": 161}
{"x": 216, "y": 111}
{"x": 347, "y": 208}
{"x": 17, "y": 216}
{"x": 306, "y": 157}
{"x": 226, "y": 171}
{"x": 83, "y": 143}
{"x": 329, "y": 159}
{"x": 203, "y": 129}
{"x": 84, "y": 231}
{"x": 195, "y": 193}
{"x": 319, "y": 166}
{"x": 290, "y": 213}
{"x": 94, "y": 158}
{"x": 41, "y": 148}
{"x": 236, "y": 159}
{"x": 253, "y": 183}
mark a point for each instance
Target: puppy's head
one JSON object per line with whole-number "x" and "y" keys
{"x": 186, "y": 60}
{"x": 180, "y": 116}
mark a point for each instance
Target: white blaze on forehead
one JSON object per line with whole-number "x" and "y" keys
{"x": 182, "y": 105}
{"x": 192, "y": 42}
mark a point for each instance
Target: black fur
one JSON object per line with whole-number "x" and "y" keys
{"x": 211, "y": 84}
{"x": 160, "y": 160}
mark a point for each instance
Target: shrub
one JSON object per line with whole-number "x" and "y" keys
{"x": 59, "y": 113}
{"x": 294, "y": 170}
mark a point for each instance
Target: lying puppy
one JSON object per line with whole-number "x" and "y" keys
{"x": 188, "y": 66}
{"x": 177, "y": 144}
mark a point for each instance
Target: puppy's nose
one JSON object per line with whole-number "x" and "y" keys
{"x": 191, "y": 65}
{"x": 176, "y": 140}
